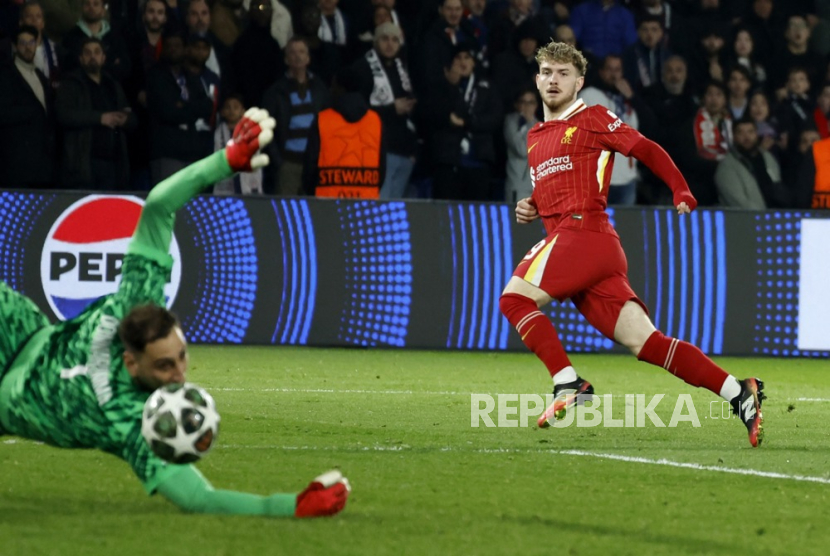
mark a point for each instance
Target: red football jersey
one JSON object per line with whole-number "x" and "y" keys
{"x": 571, "y": 159}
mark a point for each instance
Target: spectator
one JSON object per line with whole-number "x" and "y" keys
{"x": 613, "y": 92}
{"x": 241, "y": 183}
{"x": 738, "y": 85}
{"x": 325, "y": 57}
{"x": 27, "y": 129}
{"x": 145, "y": 51}
{"x": 813, "y": 184}
{"x": 227, "y": 20}
{"x": 295, "y": 100}
{"x": 707, "y": 62}
{"x": 147, "y": 48}
{"x": 515, "y": 70}
{"x": 196, "y": 55}
{"x": 474, "y": 16}
{"x": 821, "y": 115}
{"x": 674, "y": 106}
{"x": 462, "y": 113}
{"x": 257, "y": 57}
{"x": 177, "y": 103}
{"x": 391, "y": 96}
{"x": 516, "y": 125}
{"x": 748, "y": 176}
{"x": 380, "y": 15}
{"x": 603, "y": 27}
{"x": 345, "y": 157}
{"x": 795, "y": 111}
{"x": 794, "y": 163}
{"x": 643, "y": 60}
{"x": 94, "y": 115}
{"x": 767, "y": 32}
{"x": 282, "y": 26}
{"x": 219, "y": 58}
{"x": 334, "y": 29}
{"x": 765, "y": 124}
{"x": 505, "y": 24}
{"x": 49, "y": 54}
{"x": 795, "y": 53}
{"x": 565, "y": 33}
{"x": 439, "y": 43}
{"x": 743, "y": 54}
{"x": 668, "y": 17}
{"x": 93, "y": 24}
{"x": 712, "y": 132}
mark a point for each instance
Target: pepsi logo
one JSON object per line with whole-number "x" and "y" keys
{"x": 84, "y": 250}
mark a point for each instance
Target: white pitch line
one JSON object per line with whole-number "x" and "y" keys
{"x": 370, "y": 392}
{"x": 414, "y": 392}
{"x": 579, "y": 453}
{"x": 333, "y": 391}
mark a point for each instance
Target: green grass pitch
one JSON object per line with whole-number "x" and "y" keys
{"x": 424, "y": 482}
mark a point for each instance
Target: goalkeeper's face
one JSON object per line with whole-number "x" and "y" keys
{"x": 163, "y": 361}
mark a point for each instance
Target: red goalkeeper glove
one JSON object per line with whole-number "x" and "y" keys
{"x": 253, "y": 132}
{"x": 326, "y": 495}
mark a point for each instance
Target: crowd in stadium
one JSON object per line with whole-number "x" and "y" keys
{"x": 118, "y": 96}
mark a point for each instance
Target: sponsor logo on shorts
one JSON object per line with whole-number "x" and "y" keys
{"x": 84, "y": 250}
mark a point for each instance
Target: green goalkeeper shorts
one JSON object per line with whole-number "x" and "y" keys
{"x": 20, "y": 318}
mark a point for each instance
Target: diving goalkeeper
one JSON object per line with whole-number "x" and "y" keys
{"x": 82, "y": 383}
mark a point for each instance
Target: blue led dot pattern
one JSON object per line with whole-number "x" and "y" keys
{"x": 778, "y": 253}
{"x": 299, "y": 276}
{"x": 378, "y": 279}
{"x": 226, "y": 285}
{"x": 482, "y": 265}
{"x": 686, "y": 275}
{"x": 18, "y": 212}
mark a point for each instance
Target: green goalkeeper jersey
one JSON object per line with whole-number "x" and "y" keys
{"x": 68, "y": 387}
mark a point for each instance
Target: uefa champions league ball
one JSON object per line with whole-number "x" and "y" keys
{"x": 180, "y": 422}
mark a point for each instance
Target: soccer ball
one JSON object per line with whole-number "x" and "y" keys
{"x": 180, "y": 422}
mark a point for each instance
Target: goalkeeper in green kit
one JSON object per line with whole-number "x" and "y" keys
{"x": 82, "y": 383}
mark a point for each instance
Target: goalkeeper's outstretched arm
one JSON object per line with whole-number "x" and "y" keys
{"x": 155, "y": 227}
{"x": 191, "y": 492}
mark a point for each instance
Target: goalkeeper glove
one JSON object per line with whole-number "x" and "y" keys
{"x": 326, "y": 495}
{"x": 253, "y": 132}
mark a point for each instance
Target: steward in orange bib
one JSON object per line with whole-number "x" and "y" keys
{"x": 813, "y": 186}
{"x": 345, "y": 157}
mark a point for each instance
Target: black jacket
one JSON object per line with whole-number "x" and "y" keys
{"x": 482, "y": 118}
{"x": 27, "y": 132}
{"x": 118, "y": 63}
{"x": 173, "y": 132}
{"x": 399, "y": 137}
{"x": 78, "y": 119}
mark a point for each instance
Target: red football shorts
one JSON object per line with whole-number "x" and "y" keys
{"x": 588, "y": 267}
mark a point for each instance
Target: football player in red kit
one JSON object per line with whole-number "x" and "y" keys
{"x": 571, "y": 155}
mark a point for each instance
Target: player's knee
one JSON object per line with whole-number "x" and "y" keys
{"x": 510, "y": 302}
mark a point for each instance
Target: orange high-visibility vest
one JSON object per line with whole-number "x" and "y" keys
{"x": 349, "y": 160}
{"x": 821, "y": 189}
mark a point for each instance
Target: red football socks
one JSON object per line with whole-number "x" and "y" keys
{"x": 536, "y": 330}
{"x": 684, "y": 361}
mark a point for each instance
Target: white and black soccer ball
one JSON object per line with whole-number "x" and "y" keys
{"x": 180, "y": 422}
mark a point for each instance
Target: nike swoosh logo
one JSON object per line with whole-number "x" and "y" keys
{"x": 531, "y": 328}
{"x": 530, "y": 148}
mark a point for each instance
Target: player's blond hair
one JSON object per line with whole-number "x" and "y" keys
{"x": 562, "y": 53}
